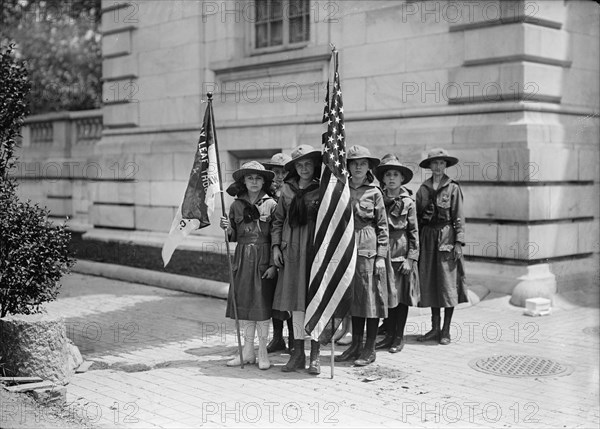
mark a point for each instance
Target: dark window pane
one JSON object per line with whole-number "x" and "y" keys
{"x": 276, "y": 33}
{"x": 262, "y": 35}
{"x": 298, "y": 30}
{"x": 295, "y": 8}
{"x": 262, "y": 12}
{"x": 276, "y": 9}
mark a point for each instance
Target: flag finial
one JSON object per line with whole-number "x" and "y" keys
{"x": 209, "y": 95}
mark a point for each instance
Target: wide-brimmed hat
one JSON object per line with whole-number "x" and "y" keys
{"x": 361, "y": 152}
{"x": 277, "y": 160}
{"x": 303, "y": 152}
{"x": 252, "y": 167}
{"x": 391, "y": 162}
{"x": 438, "y": 153}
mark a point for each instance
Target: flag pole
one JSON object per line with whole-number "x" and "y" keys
{"x": 332, "y": 361}
{"x": 231, "y": 285}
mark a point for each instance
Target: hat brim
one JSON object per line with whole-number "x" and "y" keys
{"x": 450, "y": 161}
{"x": 373, "y": 162}
{"x": 271, "y": 165}
{"x": 239, "y": 175}
{"x": 316, "y": 155}
{"x": 406, "y": 172}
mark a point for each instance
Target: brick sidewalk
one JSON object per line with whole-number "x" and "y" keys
{"x": 160, "y": 362}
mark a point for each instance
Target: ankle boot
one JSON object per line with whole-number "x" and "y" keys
{"x": 434, "y": 334}
{"x": 353, "y": 351}
{"x": 297, "y": 358}
{"x": 248, "y": 349}
{"x": 263, "y": 356}
{"x": 445, "y": 336}
{"x": 397, "y": 345}
{"x": 315, "y": 364}
{"x": 368, "y": 354}
{"x": 277, "y": 343}
{"x": 387, "y": 342}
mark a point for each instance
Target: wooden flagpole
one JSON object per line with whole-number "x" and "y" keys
{"x": 231, "y": 285}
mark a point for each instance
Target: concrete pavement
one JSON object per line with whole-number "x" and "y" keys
{"x": 159, "y": 361}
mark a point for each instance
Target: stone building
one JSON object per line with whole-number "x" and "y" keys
{"x": 509, "y": 87}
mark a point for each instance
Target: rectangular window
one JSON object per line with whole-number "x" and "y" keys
{"x": 281, "y": 24}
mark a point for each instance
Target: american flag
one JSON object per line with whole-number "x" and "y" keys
{"x": 332, "y": 269}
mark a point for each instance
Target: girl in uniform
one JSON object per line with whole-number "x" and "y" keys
{"x": 292, "y": 237}
{"x": 404, "y": 247}
{"x": 442, "y": 235}
{"x": 369, "y": 286}
{"x": 249, "y": 224}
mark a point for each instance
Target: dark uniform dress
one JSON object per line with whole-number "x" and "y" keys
{"x": 441, "y": 225}
{"x": 251, "y": 228}
{"x": 404, "y": 244}
{"x": 293, "y": 230}
{"x": 369, "y": 293}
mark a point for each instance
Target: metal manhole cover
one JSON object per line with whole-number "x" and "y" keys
{"x": 592, "y": 330}
{"x": 520, "y": 366}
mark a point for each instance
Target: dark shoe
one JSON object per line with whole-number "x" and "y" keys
{"x": 314, "y": 366}
{"x": 385, "y": 343}
{"x": 445, "y": 338}
{"x": 434, "y": 334}
{"x": 368, "y": 354}
{"x": 397, "y": 345}
{"x": 297, "y": 358}
{"x": 276, "y": 344}
{"x": 352, "y": 352}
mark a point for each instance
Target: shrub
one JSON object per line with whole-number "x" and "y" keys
{"x": 33, "y": 251}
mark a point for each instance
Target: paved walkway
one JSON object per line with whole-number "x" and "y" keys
{"x": 160, "y": 362}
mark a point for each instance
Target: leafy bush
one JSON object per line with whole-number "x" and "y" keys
{"x": 33, "y": 251}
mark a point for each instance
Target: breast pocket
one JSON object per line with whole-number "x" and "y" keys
{"x": 366, "y": 210}
{"x": 444, "y": 202}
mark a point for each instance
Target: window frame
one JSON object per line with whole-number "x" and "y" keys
{"x": 286, "y": 45}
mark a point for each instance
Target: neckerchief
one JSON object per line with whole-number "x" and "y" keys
{"x": 298, "y": 212}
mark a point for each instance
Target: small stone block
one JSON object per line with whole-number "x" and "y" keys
{"x": 537, "y": 304}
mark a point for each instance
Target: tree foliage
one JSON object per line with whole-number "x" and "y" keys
{"x": 60, "y": 41}
{"x": 33, "y": 251}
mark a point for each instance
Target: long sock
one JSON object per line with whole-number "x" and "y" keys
{"x": 358, "y": 325}
{"x": 290, "y": 326}
{"x": 448, "y": 312}
{"x": 392, "y": 321}
{"x": 402, "y": 315}
{"x": 277, "y": 325}
{"x": 372, "y": 324}
{"x": 435, "y": 311}
{"x": 299, "y": 331}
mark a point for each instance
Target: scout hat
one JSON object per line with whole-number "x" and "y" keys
{"x": 391, "y": 162}
{"x": 278, "y": 160}
{"x": 361, "y": 152}
{"x": 303, "y": 152}
{"x": 252, "y": 167}
{"x": 438, "y": 153}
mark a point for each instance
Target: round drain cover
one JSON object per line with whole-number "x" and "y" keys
{"x": 592, "y": 330}
{"x": 520, "y": 366}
